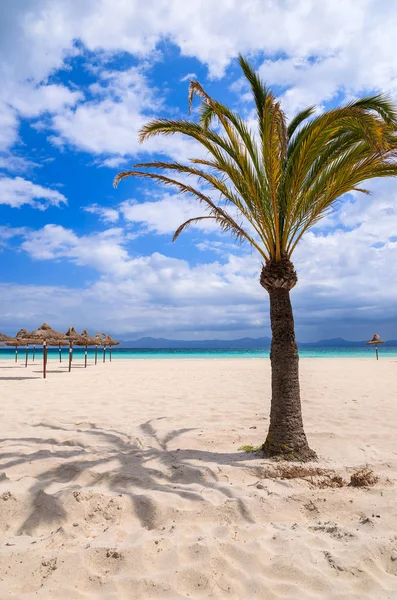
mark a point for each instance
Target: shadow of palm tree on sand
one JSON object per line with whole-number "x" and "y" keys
{"x": 125, "y": 465}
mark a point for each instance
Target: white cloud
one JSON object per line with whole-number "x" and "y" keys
{"x": 106, "y": 214}
{"x": 16, "y": 164}
{"x": 110, "y": 123}
{"x": 164, "y": 216}
{"x": 322, "y": 44}
{"x": 114, "y": 162}
{"x": 217, "y": 247}
{"x": 8, "y": 127}
{"x": 102, "y": 251}
{"x": 18, "y": 191}
{"x": 350, "y": 68}
{"x": 188, "y": 77}
{"x": 33, "y": 101}
{"x": 8, "y": 233}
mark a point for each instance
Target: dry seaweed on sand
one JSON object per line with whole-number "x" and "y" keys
{"x": 363, "y": 478}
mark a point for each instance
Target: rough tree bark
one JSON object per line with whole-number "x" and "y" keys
{"x": 286, "y": 437}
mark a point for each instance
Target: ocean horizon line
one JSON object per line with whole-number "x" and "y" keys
{"x": 213, "y": 353}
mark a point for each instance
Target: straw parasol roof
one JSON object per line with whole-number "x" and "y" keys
{"x": 108, "y": 340}
{"x": 87, "y": 340}
{"x": 15, "y": 342}
{"x": 26, "y": 338}
{"x": 97, "y": 339}
{"x": 375, "y": 340}
{"x": 23, "y": 333}
{"x": 45, "y": 333}
{"x": 72, "y": 336}
{"x": 5, "y": 338}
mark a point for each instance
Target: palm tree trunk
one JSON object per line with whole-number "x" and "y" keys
{"x": 286, "y": 436}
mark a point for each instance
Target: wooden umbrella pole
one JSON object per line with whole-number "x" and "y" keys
{"x": 85, "y": 356}
{"x": 96, "y": 354}
{"x": 60, "y": 353}
{"x": 44, "y": 360}
{"x": 16, "y": 353}
{"x": 34, "y": 352}
{"x": 110, "y": 353}
{"x": 26, "y": 355}
{"x": 376, "y": 350}
{"x": 104, "y": 354}
{"x": 70, "y": 355}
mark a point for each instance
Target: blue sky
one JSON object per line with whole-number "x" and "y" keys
{"x": 80, "y": 79}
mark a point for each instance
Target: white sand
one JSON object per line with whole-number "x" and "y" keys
{"x": 124, "y": 481}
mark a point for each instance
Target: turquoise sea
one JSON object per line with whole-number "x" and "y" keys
{"x": 123, "y": 353}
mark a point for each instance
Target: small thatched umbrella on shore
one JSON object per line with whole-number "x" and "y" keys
{"x": 7, "y": 339}
{"x": 108, "y": 341}
{"x": 101, "y": 342}
{"x": 45, "y": 335}
{"x": 23, "y": 338}
{"x": 97, "y": 342}
{"x": 374, "y": 342}
{"x": 73, "y": 338}
{"x": 87, "y": 341}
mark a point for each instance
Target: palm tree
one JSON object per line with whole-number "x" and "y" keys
{"x": 281, "y": 180}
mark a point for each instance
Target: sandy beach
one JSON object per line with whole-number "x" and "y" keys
{"x": 125, "y": 481}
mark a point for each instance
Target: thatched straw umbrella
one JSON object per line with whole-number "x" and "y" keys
{"x": 45, "y": 335}
{"x": 102, "y": 337}
{"x": 97, "y": 342}
{"x": 73, "y": 338}
{"x": 23, "y": 338}
{"x": 108, "y": 341}
{"x": 87, "y": 341}
{"x": 7, "y": 338}
{"x": 374, "y": 342}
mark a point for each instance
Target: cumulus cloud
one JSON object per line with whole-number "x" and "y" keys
{"x": 214, "y": 34}
{"x": 188, "y": 77}
{"x": 8, "y": 233}
{"x": 122, "y": 103}
{"x": 321, "y": 45}
{"x": 18, "y": 191}
{"x": 102, "y": 251}
{"x": 16, "y": 164}
{"x": 33, "y": 101}
{"x": 106, "y": 214}
{"x": 165, "y": 215}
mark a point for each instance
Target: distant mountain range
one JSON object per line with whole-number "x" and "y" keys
{"x": 241, "y": 343}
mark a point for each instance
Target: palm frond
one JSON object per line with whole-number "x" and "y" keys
{"x": 298, "y": 120}
{"x": 216, "y": 212}
{"x": 237, "y": 233}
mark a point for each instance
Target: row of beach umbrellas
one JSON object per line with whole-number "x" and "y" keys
{"x": 46, "y": 336}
